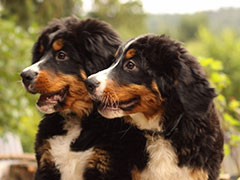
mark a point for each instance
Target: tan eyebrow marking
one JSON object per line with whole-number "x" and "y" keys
{"x": 130, "y": 53}
{"x": 57, "y": 45}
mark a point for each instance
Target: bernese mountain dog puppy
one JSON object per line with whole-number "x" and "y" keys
{"x": 162, "y": 90}
{"x": 73, "y": 141}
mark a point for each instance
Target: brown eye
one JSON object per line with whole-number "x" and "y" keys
{"x": 61, "y": 56}
{"x": 129, "y": 66}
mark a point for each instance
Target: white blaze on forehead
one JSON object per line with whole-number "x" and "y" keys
{"x": 35, "y": 67}
{"x": 128, "y": 44}
{"x": 101, "y": 77}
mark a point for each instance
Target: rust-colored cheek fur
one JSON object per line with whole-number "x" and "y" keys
{"x": 77, "y": 100}
{"x": 150, "y": 99}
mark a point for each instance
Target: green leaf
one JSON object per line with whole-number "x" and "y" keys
{"x": 232, "y": 121}
{"x": 227, "y": 149}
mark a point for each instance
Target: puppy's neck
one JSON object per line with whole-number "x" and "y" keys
{"x": 77, "y": 113}
{"x": 72, "y": 118}
{"x": 154, "y": 127}
{"x": 144, "y": 123}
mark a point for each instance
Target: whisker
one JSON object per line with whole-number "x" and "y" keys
{"x": 125, "y": 132}
{"x": 106, "y": 102}
{"x": 111, "y": 99}
{"x": 116, "y": 99}
{"x": 103, "y": 99}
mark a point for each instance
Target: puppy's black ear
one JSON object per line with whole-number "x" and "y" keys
{"x": 193, "y": 88}
{"x": 179, "y": 76}
{"x": 100, "y": 49}
{"x": 99, "y": 42}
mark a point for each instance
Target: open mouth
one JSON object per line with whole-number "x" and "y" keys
{"x": 125, "y": 105}
{"x": 49, "y": 102}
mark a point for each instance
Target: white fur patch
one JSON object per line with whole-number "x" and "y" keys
{"x": 143, "y": 123}
{"x": 46, "y": 109}
{"x": 102, "y": 77}
{"x": 110, "y": 114}
{"x": 35, "y": 67}
{"x": 71, "y": 164}
{"x": 163, "y": 162}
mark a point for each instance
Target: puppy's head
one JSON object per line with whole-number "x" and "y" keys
{"x": 150, "y": 75}
{"x": 66, "y": 52}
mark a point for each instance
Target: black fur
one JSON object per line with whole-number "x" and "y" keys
{"x": 185, "y": 90}
{"x": 90, "y": 42}
{"x": 90, "y": 45}
{"x": 124, "y": 143}
{"x": 182, "y": 82}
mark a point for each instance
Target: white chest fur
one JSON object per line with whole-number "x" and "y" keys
{"x": 163, "y": 160}
{"x": 163, "y": 163}
{"x": 71, "y": 164}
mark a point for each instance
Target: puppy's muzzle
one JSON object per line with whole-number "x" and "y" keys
{"x": 92, "y": 84}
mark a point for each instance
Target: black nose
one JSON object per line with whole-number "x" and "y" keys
{"x": 28, "y": 77}
{"x": 92, "y": 84}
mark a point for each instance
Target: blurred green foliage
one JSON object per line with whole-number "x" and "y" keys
{"x": 127, "y": 18}
{"x": 17, "y": 113}
{"x": 189, "y": 25}
{"x": 28, "y": 12}
{"x": 225, "y": 47}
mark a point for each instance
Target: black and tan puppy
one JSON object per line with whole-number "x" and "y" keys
{"x": 162, "y": 90}
{"x": 73, "y": 141}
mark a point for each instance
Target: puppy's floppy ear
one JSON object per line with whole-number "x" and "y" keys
{"x": 97, "y": 41}
{"x": 100, "y": 49}
{"x": 102, "y": 44}
{"x": 193, "y": 88}
{"x": 179, "y": 76}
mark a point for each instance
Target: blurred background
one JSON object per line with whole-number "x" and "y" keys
{"x": 209, "y": 29}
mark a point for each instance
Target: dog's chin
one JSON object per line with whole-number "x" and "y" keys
{"x": 111, "y": 113}
{"x": 47, "y": 109}
{"x": 116, "y": 109}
